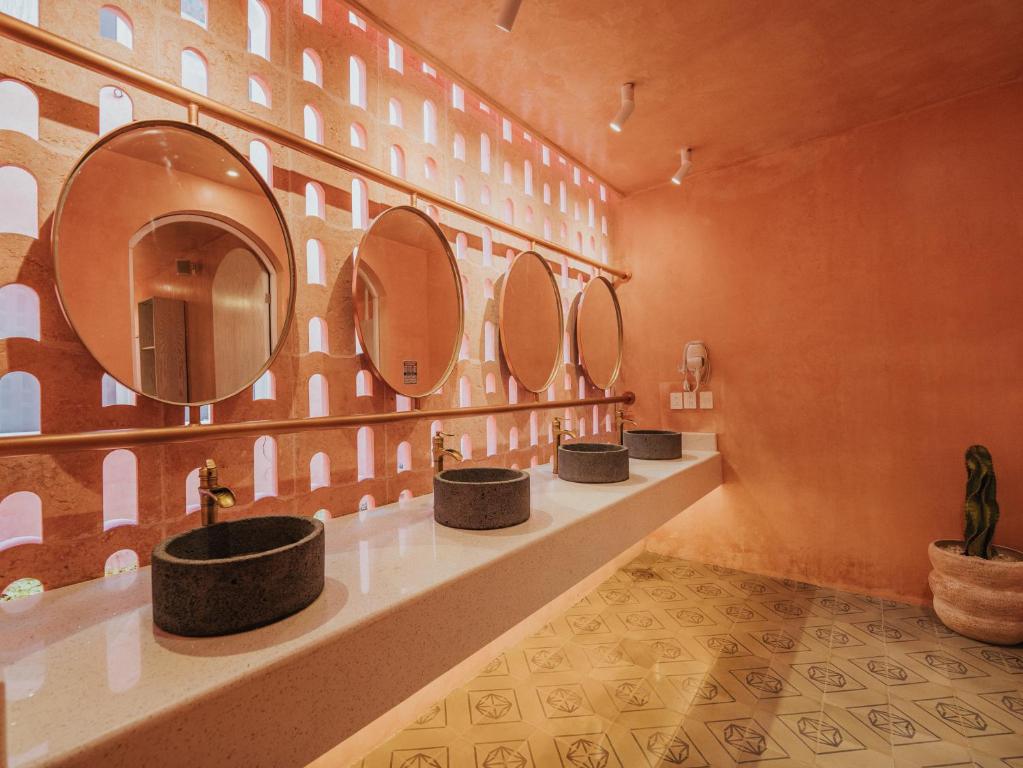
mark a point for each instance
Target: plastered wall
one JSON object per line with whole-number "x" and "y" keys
{"x": 860, "y": 296}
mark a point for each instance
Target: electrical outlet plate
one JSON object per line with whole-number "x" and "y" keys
{"x": 688, "y": 399}
{"x": 706, "y": 400}
{"x": 676, "y": 401}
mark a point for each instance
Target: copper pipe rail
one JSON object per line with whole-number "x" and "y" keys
{"x": 72, "y": 52}
{"x": 131, "y": 438}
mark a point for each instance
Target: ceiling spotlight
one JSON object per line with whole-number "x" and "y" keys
{"x": 628, "y": 104}
{"x": 506, "y": 19}
{"x": 684, "y": 168}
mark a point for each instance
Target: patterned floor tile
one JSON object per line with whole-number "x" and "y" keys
{"x": 787, "y": 607}
{"x": 687, "y": 617}
{"x": 547, "y": 659}
{"x": 893, "y": 723}
{"x": 701, "y": 689}
{"x": 588, "y": 750}
{"x": 963, "y": 716}
{"x": 633, "y": 693}
{"x": 1009, "y": 702}
{"x": 764, "y": 683}
{"x": 746, "y": 740}
{"x": 490, "y": 706}
{"x": 946, "y": 665}
{"x": 887, "y": 633}
{"x": 888, "y": 670}
{"x": 436, "y": 716}
{"x": 503, "y": 754}
{"x": 424, "y": 757}
{"x": 821, "y": 733}
{"x": 778, "y": 641}
{"x": 674, "y": 664}
{"x": 828, "y": 676}
{"x": 722, "y": 645}
{"x": 1003, "y": 660}
{"x": 752, "y": 586}
{"x": 833, "y": 636}
{"x": 668, "y": 747}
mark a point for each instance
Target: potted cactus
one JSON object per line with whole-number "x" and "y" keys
{"x": 978, "y": 587}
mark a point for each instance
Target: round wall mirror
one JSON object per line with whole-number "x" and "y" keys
{"x": 408, "y": 301}
{"x": 173, "y": 262}
{"x": 531, "y": 321}
{"x": 598, "y": 333}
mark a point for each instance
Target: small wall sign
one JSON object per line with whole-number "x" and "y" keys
{"x": 410, "y": 369}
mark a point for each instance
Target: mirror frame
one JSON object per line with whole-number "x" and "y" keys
{"x": 561, "y": 321}
{"x": 268, "y": 193}
{"x": 578, "y": 336}
{"x": 456, "y": 274}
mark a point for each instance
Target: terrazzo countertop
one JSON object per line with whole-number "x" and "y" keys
{"x": 90, "y": 681}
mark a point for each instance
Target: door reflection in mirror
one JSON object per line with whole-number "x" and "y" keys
{"x": 203, "y": 300}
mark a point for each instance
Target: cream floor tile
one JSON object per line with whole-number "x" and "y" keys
{"x": 666, "y": 745}
{"x": 1006, "y": 748}
{"x": 930, "y": 726}
{"x": 1005, "y": 703}
{"x": 856, "y": 729}
{"x": 936, "y": 754}
{"x": 673, "y": 663}
{"x": 750, "y": 741}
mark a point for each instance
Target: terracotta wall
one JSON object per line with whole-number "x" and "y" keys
{"x": 860, "y": 296}
{"x": 70, "y": 486}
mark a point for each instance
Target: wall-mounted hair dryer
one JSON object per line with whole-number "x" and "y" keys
{"x": 695, "y": 364}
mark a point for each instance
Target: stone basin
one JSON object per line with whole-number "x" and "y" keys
{"x": 237, "y": 575}
{"x": 593, "y": 463}
{"x": 653, "y": 444}
{"x": 480, "y": 498}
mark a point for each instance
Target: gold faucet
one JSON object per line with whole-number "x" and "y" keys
{"x": 212, "y": 496}
{"x": 621, "y": 419}
{"x": 439, "y": 452}
{"x": 558, "y": 434}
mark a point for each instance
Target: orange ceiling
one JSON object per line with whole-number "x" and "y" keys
{"x": 732, "y": 78}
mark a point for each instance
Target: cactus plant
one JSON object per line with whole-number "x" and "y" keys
{"x": 981, "y": 507}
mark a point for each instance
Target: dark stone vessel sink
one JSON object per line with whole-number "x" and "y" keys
{"x": 480, "y": 498}
{"x": 593, "y": 463}
{"x": 653, "y": 443}
{"x": 237, "y": 575}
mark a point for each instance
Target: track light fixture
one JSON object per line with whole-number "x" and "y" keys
{"x": 506, "y": 18}
{"x": 684, "y": 168}
{"x": 628, "y": 104}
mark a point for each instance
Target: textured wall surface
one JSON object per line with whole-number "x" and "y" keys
{"x": 74, "y": 544}
{"x": 860, "y": 296}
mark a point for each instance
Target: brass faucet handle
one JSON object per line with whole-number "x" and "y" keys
{"x": 208, "y": 473}
{"x": 438, "y": 440}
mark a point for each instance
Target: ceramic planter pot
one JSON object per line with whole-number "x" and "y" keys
{"x": 981, "y": 599}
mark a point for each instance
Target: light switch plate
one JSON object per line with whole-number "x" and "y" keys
{"x": 706, "y": 400}
{"x": 688, "y": 399}
{"x": 675, "y": 399}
